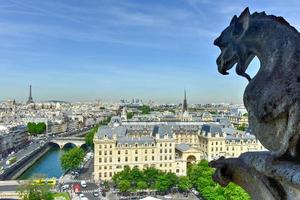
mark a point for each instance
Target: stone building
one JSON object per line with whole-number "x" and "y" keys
{"x": 238, "y": 120}
{"x": 12, "y": 139}
{"x": 168, "y": 146}
{"x": 215, "y": 142}
{"x": 144, "y": 145}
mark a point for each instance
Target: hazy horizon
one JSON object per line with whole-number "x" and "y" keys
{"x": 112, "y": 50}
{"x": 107, "y": 100}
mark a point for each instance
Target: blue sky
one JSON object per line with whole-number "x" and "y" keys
{"x": 86, "y": 50}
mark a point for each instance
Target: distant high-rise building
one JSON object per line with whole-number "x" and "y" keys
{"x": 184, "y": 105}
{"x": 30, "y": 100}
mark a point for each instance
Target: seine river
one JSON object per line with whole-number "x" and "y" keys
{"x": 48, "y": 165}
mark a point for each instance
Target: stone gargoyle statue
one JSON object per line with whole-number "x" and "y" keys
{"x": 272, "y": 99}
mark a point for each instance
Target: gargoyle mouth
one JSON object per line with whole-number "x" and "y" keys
{"x": 225, "y": 65}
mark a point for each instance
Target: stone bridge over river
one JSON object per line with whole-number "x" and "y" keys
{"x": 61, "y": 142}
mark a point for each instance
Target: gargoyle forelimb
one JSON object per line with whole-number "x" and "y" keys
{"x": 256, "y": 184}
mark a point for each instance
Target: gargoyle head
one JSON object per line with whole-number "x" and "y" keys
{"x": 233, "y": 48}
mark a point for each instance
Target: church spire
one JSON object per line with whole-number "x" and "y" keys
{"x": 184, "y": 105}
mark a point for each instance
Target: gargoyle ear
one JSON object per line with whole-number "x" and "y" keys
{"x": 242, "y": 23}
{"x": 233, "y": 20}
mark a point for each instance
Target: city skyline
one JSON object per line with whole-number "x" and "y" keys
{"x": 83, "y": 52}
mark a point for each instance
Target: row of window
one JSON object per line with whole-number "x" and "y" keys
{"x": 105, "y": 146}
{"x": 217, "y": 143}
{"x": 136, "y": 145}
{"x": 136, "y": 159}
{"x": 105, "y": 153}
{"x": 232, "y": 148}
{"x": 106, "y": 174}
{"x": 110, "y": 174}
{"x": 241, "y": 142}
{"x": 105, "y": 160}
{"x": 184, "y": 141}
{"x": 217, "y": 149}
{"x": 136, "y": 152}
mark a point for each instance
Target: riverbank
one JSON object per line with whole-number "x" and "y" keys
{"x": 22, "y": 165}
{"x": 48, "y": 165}
{"x": 31, "y": 162}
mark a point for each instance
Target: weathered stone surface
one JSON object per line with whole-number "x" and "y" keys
{"x": 261, "y": 174}
{"x": 272, "y": 99}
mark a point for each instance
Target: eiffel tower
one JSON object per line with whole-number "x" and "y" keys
{"x": 30, "y": 100}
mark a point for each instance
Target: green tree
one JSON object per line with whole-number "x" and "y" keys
{"x": 130, "y": 115}
{"x": 31, "y": 128}
{"x": 135, "y": 176}
{"x": 148, "y": 178}
{"x": 31, "y": 191}
{"x": 242, "y": 127}
{"x": 41, "y": 127}
{"x": 106, "y": 184}
{"x": 184, "y": 183}
{"x": 234, "y": 192}
{"x": 72, "y": 158}
{"x": 142, "y": 185}
{"x": 200, "y": 176}
{"x": 162, "y": 183}
{"x": 105, "y": 121}
{"x": 124, "y": 185}
{"x": 34, "y": 129}
{"x": 89, "y": 137}
{"x": 145, "y": 109}
{"x": 150, "y": 175}
{"x": 172, "y": 178}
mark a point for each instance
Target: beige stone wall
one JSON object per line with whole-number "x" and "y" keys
{"x": 185, "y": 138}
{"x": 238, "y": 120}
{"x": 214, "y": 147}
{"x": 235, "y": 149}
{"x": 110, "y": 158}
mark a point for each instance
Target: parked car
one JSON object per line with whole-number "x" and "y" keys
{"x": 65, "y": 187}
{"x": 194, "y": 191}
{"x": 96, "y": 193}
{"x": 83, "y": 184}
{"x": 81, "y": 195}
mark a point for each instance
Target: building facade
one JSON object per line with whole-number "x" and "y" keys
{"x": 215, "y": 141}
{"x": 168, "y": 146}
{"x": 238, "y": 120}
{"x": 12, "y": 139}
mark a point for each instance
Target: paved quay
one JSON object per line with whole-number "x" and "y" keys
{"x": 22, "y": 153}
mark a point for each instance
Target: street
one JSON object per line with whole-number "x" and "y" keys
{"x": 86, "y": 191}
{"x": 87, "y": 171}
{"x": 8, "y": 186}
{"x": 27, "y": 150}
{"x": 35, "y": 144}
